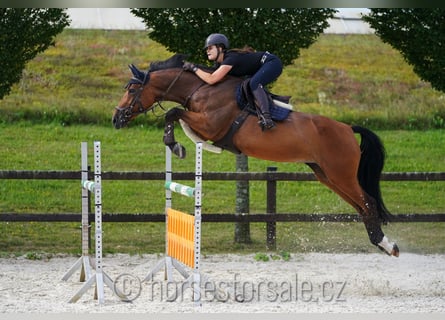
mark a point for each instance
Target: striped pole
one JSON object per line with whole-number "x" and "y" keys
{"x": 88, "y": 185}
{"x": 180, "y": 188}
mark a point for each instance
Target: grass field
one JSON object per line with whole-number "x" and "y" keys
{"x": 52, "y": 147}
{"x": 352, "y": 78}
{"x": 67, "y": 96}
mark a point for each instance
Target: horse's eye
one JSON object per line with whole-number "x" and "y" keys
{"x": 132, "y": 91}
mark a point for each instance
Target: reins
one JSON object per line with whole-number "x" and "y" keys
{"x": 187, "y": 99}
{"x": 170, "y": 86}
{"x": 159, "y": 102}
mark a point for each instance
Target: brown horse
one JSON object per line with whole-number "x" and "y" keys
{"x": 327, "y": 146}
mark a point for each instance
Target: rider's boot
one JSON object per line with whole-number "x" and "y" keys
{"x": 262, "y": 103}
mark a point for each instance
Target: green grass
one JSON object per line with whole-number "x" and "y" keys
{"x": 81, "y": 79}
{"x": 144, "y": 238}
{"x": 54, "y": 147}
{"x": 68, "y": 93}
{"x": 352, "y": 78}
{"x": 359, "y": 79}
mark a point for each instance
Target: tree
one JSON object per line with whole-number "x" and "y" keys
{"x": 281, "y": 31}
{"x": 25, "y": 32}
{"x": 419, "y": 35}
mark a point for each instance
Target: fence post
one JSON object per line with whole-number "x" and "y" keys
{"x": 242, "y": 229}
{"x": 271, "y": 189}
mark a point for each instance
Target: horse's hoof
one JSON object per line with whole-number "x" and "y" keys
{"x": 395, "y": 251}
{"x": 179, "y": 150}
{"x": 391, "y": 249}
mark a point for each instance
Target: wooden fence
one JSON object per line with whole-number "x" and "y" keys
{"x": 270, "y": 217}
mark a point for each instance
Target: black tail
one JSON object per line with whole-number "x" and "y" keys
{"x": 370, "y": 168}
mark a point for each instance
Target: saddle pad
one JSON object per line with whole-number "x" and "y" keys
{"x": 278, "y": 113}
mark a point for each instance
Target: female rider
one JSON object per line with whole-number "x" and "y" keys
{"x": 262, "y": 66}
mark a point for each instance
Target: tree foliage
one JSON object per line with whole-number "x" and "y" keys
{"x": 281, "y": 31}
{"x": 25, "y": 32}
{"x": 419, "y": 34}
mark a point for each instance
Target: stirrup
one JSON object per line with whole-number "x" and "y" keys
{"x": 266, "y": 123}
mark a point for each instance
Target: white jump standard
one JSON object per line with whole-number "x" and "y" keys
{"x": 183, "y": 233}
{"x": 100, "y": 277}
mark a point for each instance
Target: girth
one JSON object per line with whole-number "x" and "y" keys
{"x": 227, "y": 141}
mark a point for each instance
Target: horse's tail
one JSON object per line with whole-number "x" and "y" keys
{"x": 370, "y": 168}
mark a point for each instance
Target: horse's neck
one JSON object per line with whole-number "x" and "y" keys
{"x": 173, "y": 86}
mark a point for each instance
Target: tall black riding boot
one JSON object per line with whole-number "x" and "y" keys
{"x": 262, "y": 103}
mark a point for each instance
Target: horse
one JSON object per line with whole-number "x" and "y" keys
{"x": 327, "y": 146}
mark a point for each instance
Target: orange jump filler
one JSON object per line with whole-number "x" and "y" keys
{"x": 180, "y": 236}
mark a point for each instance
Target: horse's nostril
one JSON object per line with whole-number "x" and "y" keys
{"x": 117, "y": 121}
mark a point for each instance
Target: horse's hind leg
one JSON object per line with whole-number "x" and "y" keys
{"x": 324, "y": 180}
{"x": 352, "y": 193}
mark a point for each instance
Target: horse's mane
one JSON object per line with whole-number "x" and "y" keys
{"x": 142, "y": 77}
{"x": 175, "y": 61}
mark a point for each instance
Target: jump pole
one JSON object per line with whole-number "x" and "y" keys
{"x": 100, "y": 277}
{"x": 178, "y": 259}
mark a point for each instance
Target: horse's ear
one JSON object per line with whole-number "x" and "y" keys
{"x": 138, "y": 74}
{"x": 133, "y": 69}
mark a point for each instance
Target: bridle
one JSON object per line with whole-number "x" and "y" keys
{"x": 130, "y": 111}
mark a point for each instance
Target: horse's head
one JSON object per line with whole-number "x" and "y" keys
{"x": 132, "y": 103}
{"x": 137, "y": 99}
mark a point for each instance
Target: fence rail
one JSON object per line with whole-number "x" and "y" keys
{"x": 215, "y": 217}
{"x": 271, "y": 177}
{"x": 227, "y": 176}
{"x": 270, "y": 217}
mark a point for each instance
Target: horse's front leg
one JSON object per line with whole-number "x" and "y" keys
{"x": 169, "y": 132}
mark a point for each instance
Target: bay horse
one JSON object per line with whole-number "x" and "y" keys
{"x": 327, "y": 146}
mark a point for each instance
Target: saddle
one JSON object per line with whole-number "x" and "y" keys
{"x": 246, "y": 101}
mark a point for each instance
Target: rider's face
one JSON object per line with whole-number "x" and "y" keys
{"x": 212, "y": 52}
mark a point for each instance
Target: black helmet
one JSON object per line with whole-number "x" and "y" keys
{"x": 216, "y": 38}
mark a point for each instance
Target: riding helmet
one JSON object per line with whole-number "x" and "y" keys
{"x": 216, "y": 38}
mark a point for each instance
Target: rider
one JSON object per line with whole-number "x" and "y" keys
{"x": 262, "y": 66}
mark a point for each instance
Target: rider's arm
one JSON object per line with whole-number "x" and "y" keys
{"x": 216, "y": 76}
